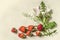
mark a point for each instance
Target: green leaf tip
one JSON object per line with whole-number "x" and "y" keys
{"x": 43, "y": 6}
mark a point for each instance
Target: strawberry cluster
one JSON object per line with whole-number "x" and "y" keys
{"x": 28, "y": 31}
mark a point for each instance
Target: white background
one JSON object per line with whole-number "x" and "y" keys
{"x": 11, "y": 16}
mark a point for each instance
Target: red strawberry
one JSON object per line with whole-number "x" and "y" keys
{"x": 21, "y": 35}
{"x": 28, "y": 33}
{"x": 40, "y": 27}
{"x": 30, "y": 27}
{"x": 22, "y": 29}
{"x": 37, "y": 33}
{"x": 14, "y": 30}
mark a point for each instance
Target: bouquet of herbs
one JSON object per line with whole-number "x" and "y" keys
{"x": 44, "y": 26}
{"x": 43, "y": 17}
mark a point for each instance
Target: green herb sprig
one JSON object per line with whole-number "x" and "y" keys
{"x": 44, "y": 17}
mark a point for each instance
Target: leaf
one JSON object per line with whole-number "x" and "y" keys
{"x": 26, "y": 15}
{"x": 41, "y": 15}
{"x": 37, "y": 19}
{"x": 49, "y": 33}
{"x": 48, "y": 14}
{"x": 52, "y": 32}
{"x": 43, "y": 7}
{"x": 50, "y": 25}
{"x": 29, "y": 16}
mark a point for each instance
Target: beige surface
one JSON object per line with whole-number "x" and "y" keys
{"x": 11, "y": 16}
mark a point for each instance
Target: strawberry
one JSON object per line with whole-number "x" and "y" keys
{"x": 37, "y": 33}
{"x": 40, "y": 27}
{"x": 21, "y": 35}
{"x": 22, "y": 29}
{"x": 30, "y": 27}
{"x": 28, "y": 33}
{"x": 14, "y": 30}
